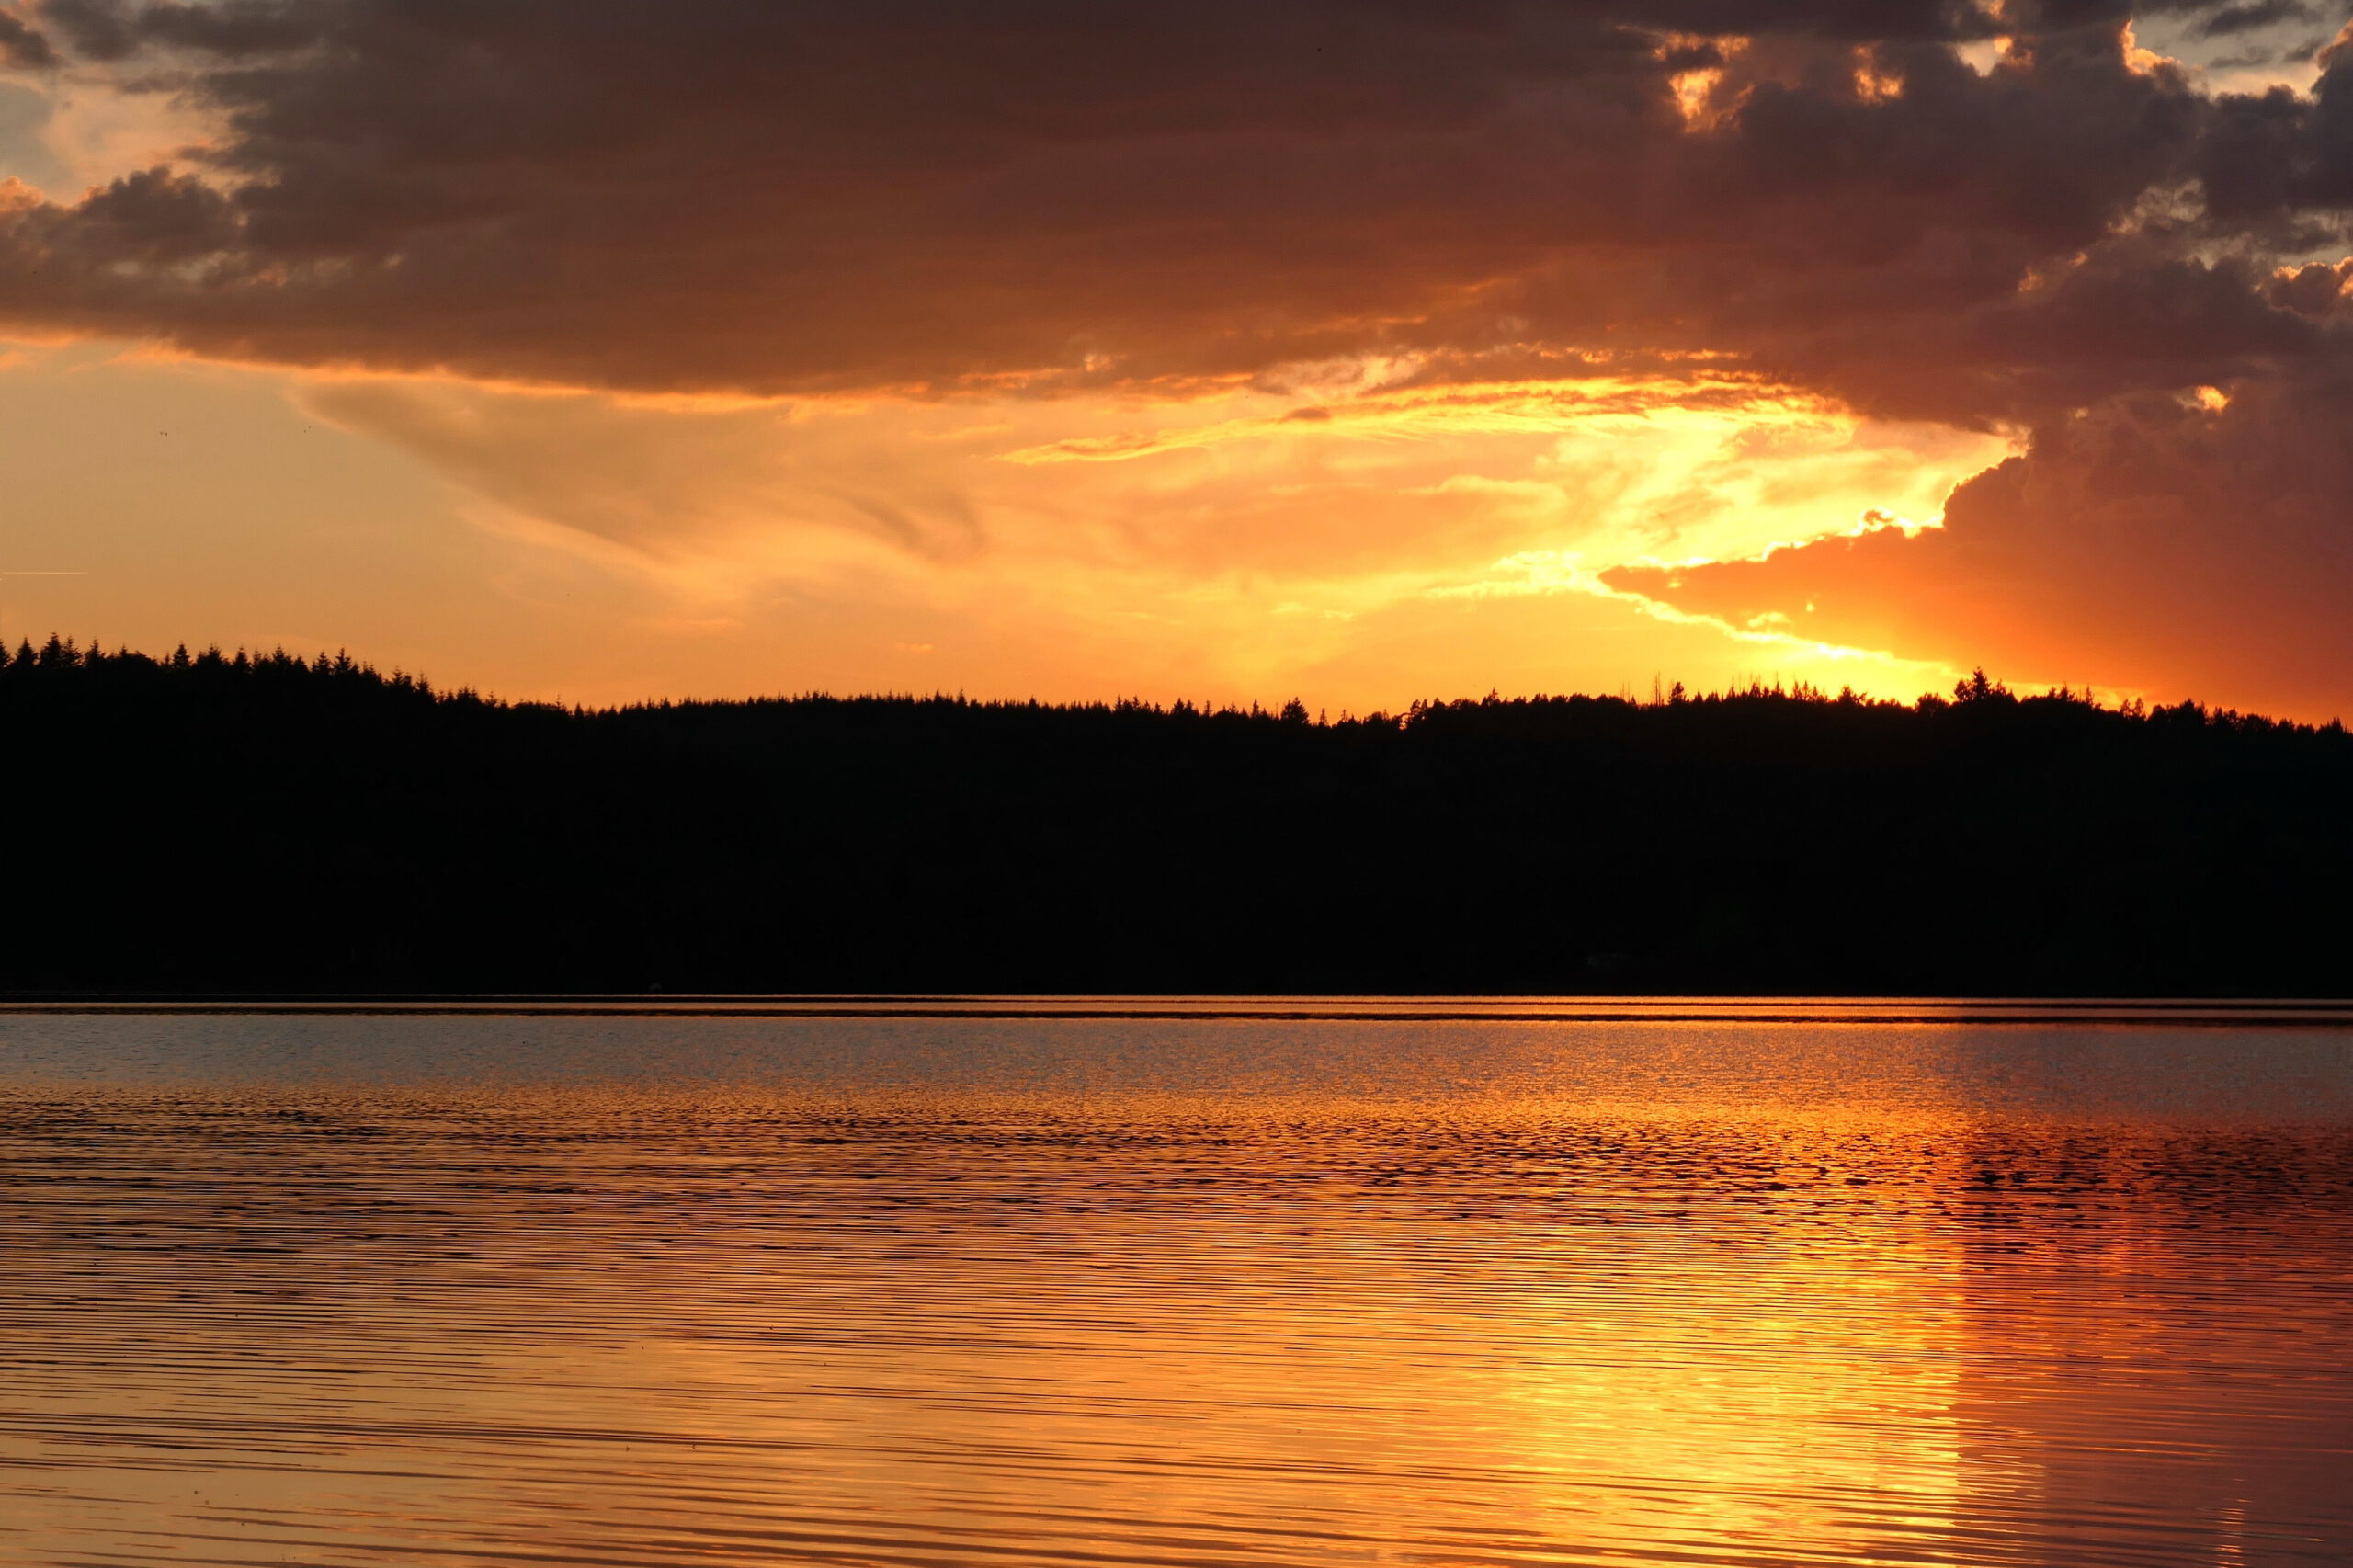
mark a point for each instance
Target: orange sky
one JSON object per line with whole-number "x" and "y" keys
{"x": 1356, "y": 357}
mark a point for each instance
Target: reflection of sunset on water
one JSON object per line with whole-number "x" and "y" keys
{"x": 1502, "y": 1293}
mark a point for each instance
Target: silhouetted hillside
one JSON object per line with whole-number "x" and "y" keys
{"x": 212, "y": 825}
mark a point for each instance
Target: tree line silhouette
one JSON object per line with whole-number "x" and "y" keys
{"x": 214, "y": 823}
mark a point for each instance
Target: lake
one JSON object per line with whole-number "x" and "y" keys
{"x": 1204, "y": 1282}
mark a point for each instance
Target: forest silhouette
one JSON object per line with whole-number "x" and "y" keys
{"x": 240, "y": 825}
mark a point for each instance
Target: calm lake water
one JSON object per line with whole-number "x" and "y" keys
{"x": 639, "y": 1289}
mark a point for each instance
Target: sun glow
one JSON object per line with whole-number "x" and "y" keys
{"x": 1359, "y": 548}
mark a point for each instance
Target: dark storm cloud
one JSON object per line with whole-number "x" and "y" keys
{"x": 2283, "y": 153}
{"x": 22, "y": 46}
{"x": 771, "y": 197}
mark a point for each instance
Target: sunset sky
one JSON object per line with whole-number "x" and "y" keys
{"x": 1359, "y": 352}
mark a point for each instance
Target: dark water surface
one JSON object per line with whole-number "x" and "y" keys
{"x": 587, "y": 1290}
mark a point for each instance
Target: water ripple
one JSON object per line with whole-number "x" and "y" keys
{"x": 671, "y": 1291}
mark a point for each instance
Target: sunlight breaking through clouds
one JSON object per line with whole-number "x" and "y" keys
{"x": 1221, "y": 535}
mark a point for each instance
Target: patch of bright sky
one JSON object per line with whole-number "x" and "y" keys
{"x": 67, "y": 131}
{"x": 2275, "y": 54}
{"x": 1393, "y": 494}
{"x": 24, "y": 115}
{"x": 581, "y": 545}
